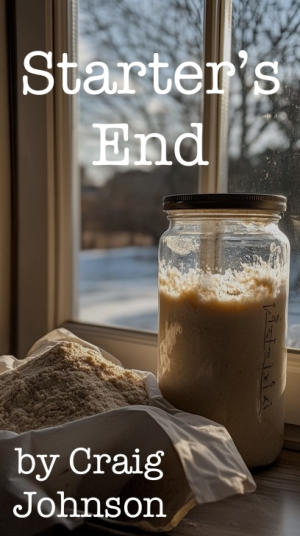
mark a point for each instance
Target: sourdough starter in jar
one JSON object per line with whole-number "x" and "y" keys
{"x": 222, "y": 350}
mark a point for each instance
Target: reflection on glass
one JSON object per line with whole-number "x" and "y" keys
{"x": 264, "y": 134}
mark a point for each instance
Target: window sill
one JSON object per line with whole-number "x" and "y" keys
{"x": 292, "y": 437}
{"x": 272, "y": 509}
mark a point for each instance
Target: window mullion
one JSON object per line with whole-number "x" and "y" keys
{"x": 217, "y": 48}
{"x": 66, "y": 173}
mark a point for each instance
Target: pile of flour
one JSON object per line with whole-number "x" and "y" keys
{"x": 68, "y": 382}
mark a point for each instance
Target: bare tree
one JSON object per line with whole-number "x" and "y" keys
{"x": 131, "y": 30}
{"x": 264, "y": 131}
{"x": 128, "y": 30}
{"x": 267, "y": 30}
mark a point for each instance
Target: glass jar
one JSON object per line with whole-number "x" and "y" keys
{"x": 223, "y": 289}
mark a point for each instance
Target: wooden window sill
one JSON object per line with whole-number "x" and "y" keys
{"x": 274, "y": 509}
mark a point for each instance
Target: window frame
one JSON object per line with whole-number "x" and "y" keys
{"x": 217, "y": 48}
{"x": 47, "y": 200}
{"x": 46, "y": 233}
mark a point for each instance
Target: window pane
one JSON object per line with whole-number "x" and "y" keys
{"x": 121, "y": 205}
{"x": 264, "y": 132}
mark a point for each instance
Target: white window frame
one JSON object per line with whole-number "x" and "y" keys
{"x": 47, "y": 238}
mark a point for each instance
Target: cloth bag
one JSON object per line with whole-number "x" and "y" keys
{"x": 200, "y": 464}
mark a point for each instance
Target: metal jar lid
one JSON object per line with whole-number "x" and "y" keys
{"x": 276, "y": 203}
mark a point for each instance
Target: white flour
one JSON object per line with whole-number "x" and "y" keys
{"x": 70, "y": 381}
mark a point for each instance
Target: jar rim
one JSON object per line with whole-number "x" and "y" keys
{"x": 272, "y": 202}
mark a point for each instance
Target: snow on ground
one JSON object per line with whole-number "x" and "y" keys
{"x": 119, "y": 287}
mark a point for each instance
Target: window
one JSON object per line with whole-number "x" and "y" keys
{"x": 117, "y": 267}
